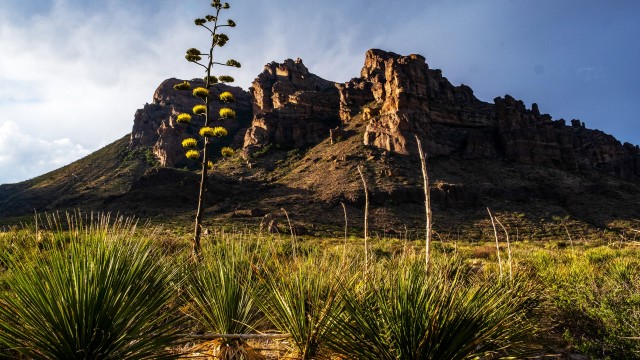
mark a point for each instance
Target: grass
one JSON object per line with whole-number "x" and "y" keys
{"x": 301, "y": 298}
{"x": 218, "y": 295}
{"x": 594, "y": 297}
{"x": 445, "y": 314}
{"x": 92, "y": 296}
{"x": 80, "y": 287}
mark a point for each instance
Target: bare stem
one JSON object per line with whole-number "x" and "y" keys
{"x": 427, "y": 204}
{"x": 293, "y": 236}
{"x": 346, "y": 224}
{"x": 508, "y": 248}
{"x": 366, "y": 216}
{"x": 495, "y": 233}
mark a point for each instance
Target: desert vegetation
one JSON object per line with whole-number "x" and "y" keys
{"x": 201, "y": 150}
{"x": 82, "y": 286}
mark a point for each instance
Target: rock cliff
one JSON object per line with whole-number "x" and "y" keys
{"x": 292, "y": 108}
{"x": 399, "y": 97}
{"x": 396, "y": 97}
{"x": 154, "y": 125}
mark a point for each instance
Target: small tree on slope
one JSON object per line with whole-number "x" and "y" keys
{"x": 199, "y": 150}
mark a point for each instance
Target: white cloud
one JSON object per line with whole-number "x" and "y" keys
{"x": 80, "y": 69}
{"x": 80, "y": 76}
{"x": 22, "y": 155}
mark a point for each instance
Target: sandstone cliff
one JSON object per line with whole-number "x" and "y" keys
{"x": 397, "y": 97}
{"x": 400, "y": 96}
{"x": 292, "y": 107}
{"x": 154, "y": 125}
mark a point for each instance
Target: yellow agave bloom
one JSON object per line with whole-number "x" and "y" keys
{"x": 199, "y": 109}
{"x": 200, "y": 92}
{"x": 209, "y": 165}
{"x": 192, "y": 154}
{"x": 227, "y": 113}
{"x": 189, "y": 143}
{"x": 219, "y": 131}
{"x": 183, "y": 118}
{"x": 227, "y": 97}
{"x": 182, "y": 86}
{"x": 206, "y": 131}
{"x": 226, "y": 151}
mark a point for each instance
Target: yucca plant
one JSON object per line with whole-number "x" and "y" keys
{"x": 302, "y": 299}
{"x": 218, "y": 292}
{"x": 411, "y": 315}
{"x": 96, "y": 298}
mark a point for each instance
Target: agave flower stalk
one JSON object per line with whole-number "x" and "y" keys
{"x": 206, "y": 60}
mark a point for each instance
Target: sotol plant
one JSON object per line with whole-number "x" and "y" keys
{"x": 199, "y": 150}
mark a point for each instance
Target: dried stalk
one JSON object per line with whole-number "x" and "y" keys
{"x": 293, "y": 235}
{"x": 495, "y": 232}
{"x": 346, "y": 224}
{"x": 427, "y": 204}
{"x": 237, "y": 336}
{"x": 366, "y": 217}
{"x": 508, "y": 249}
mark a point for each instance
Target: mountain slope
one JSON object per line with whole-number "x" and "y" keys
{"x": 301, "y": 138}
{"x": 85, "y": 183}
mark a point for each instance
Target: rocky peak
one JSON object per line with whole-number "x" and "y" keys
{"x": 400, "y": 97}
{"x": 397, "y": 97}
{"x": 273, "y": 88}
{"x": 292, "y": 107}
{"x": 154, "y": 125}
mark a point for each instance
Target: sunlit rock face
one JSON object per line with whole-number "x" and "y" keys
{"x": 291, "y": 107}
{"x": 400, "y": 97}
{"x": 396, "y": 98}
{"x": 155, "y": 126}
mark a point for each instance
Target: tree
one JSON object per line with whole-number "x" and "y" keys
{"x": 199, "y": 150}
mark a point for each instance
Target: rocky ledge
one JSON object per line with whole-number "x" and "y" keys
{"x": 397, "y": 98}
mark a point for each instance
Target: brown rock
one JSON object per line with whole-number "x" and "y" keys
{"x": 154, "y": 126}
{"x": 399, "y": 97}
{"x": 292, "y": 107}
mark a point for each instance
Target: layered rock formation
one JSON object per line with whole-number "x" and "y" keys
{"x": 154, "y": 125}
{"x": 291, "y": 107}
{"x": 401, "y": 97}
{"x": 398, "y": 97}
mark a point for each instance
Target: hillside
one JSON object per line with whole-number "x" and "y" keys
{"x": 87, "y": 183}
{"x": 302, "y": 137}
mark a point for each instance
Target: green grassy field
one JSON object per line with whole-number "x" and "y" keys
{"x": 85, "y": 286}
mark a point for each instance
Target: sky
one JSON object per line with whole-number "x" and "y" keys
{"x": 73, "y": 72}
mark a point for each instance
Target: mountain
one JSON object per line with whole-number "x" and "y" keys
{"x": 302, "y": 138}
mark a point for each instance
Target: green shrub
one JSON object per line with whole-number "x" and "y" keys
{"x": 407, "y": 314}
{"x": 95, "y": 298}
{"x": 301, "y": 298}
{"x": 218, "y": 292}
{"x": 593, "y": 298}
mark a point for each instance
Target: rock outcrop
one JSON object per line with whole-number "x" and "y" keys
{"x": 154, "y": 126}
{"x": 400, "y": 97}
{"x": 397, "y": 97}
{"x": 291, "y": 107}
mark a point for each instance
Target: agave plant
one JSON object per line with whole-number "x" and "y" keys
{"x": 302, "y": 299}
{"x": 412, "y": 315}
{"x": 218, "y": 291}
{"x": 95, "y": 298}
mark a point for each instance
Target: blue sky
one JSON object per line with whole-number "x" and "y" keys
{"x": 73, "y": 72}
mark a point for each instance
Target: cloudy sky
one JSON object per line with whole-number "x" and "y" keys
{"x": 73, "y": 72}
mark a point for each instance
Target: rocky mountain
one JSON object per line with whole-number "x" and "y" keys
{"x": 155, "y": 124}
{"x": 400, "y": 97}
{"x": 302, "y": 138}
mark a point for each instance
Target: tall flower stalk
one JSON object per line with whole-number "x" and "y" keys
{"x": 200, "y": 150}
